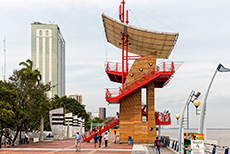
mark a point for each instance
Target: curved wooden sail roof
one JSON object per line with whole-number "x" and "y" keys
{"x": 142, "y": 41}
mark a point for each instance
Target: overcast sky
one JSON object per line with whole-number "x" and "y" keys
{"x": 203, "y": 43}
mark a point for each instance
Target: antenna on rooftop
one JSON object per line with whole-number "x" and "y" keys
{"x": 4, "y": 67}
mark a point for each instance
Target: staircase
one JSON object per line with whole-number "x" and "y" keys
{"x": 160, "y": 75}
{"x": 91, "y": 133}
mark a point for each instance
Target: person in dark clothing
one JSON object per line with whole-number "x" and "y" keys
{"x": 99, "y": 139}
{"x": 26, "y": 138}
{"x": 115, "y": 132}
{"x": 157, "y": 145}
{"x": 95, "y": 140}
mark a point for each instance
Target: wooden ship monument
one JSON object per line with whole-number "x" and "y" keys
{"x": 137, "y": 119}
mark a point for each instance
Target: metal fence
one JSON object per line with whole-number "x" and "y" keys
{"x": 209, "y": 148}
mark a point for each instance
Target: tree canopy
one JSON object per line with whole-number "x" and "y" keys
{"x": 70, "y": 105}
{"x": 7, "y": 103}
{"x": 24, "y": 101}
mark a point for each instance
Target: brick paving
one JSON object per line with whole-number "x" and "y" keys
{"x": 67, "y": 146}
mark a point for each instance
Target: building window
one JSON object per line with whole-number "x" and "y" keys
{"x": 40, "y": 32}
{"x": 144, "y": 104}
{"x": 47, "y": 33}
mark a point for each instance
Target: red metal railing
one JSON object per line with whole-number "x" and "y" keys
{"x": 98, "y": 129}
{"x": 116, "y": 67}
{"x": 163, "y": 118}
{"x": 164, "y": 68}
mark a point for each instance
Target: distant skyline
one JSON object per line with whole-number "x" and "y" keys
{"x": 203, "y": 43}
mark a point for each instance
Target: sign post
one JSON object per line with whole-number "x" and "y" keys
{"x": 197, "y": 144}
{"x": 193, "y": 143}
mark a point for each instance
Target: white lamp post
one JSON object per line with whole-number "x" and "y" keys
{"x": 202, "y": 130}
{"x": 183, "y": 120}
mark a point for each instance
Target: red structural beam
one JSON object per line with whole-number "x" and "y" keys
{"x": 115, "y": 122}
{"x": 138, "y": 86}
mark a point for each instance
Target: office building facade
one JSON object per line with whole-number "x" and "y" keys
{"x": 48, "y": 55}
{"x": 102, "y": 112}
{"x": 77, "y": 97}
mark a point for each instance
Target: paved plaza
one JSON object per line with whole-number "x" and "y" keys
{"x": 164, "y": 150}
{"x": 67, "y": 146}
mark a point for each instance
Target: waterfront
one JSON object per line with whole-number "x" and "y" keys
{"x": 222, "y": 136}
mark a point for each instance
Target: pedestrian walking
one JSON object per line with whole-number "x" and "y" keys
{"x": 78, "y": 142}
{"x": 157, "y": 145}
{"x": 95, "y": 140}
{"x": 26, "y": 138}
{"x": 99, "y": 139}
{"x": 106, "y": 137}
{"x": 115, "y": 132}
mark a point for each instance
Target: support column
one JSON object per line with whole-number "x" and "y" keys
{"x": 151, "y": 113}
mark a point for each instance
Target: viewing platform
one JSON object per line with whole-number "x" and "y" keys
{"x": 160, "y": 75}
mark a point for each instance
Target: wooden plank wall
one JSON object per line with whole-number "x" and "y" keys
{"x": 130, "y": 108}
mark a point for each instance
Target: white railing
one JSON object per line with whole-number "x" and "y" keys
{"x": 173, "y": 144}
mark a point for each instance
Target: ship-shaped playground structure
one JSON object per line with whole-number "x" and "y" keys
{"x": 137, "y": 120}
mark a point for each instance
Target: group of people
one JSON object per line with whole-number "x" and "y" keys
{"x": 106, "y": 136}
{"x": 96, "y": 139}
{"x": 99, "y": 139}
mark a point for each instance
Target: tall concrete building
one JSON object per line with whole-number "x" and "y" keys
{"x": 77, "y": 97}
{"x": 48, "y": 55}
{"x": 102, "y": 112}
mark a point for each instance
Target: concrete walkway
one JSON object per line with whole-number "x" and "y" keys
{"x": 67, "y": 146}
{"x": 163, "y": 150}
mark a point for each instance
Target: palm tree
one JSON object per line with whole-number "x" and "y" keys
{"x": 27, "y": 70}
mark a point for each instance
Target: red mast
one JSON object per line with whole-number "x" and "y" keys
{"x": 124, "y": 42}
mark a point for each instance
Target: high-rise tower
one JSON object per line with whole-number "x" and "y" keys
{"x": 102, "y": 112}
{"x": 48, "y": 55}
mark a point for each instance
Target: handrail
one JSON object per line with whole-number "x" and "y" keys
{"x": 173, "y": 144}
{"x": 115, "y": 66}
{"x": 163, "y": 118}
{"x": 97, "y": 129}
{"x": 165, "y": 67}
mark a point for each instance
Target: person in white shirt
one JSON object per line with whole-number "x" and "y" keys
{"x": 106, "y": 137}
{"x": 26, "y": 138}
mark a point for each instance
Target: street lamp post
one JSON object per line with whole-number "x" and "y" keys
{"x": 202, "y": 130}
{"x": 196, "y": 103}
{"x": 182, "y": 119}
{"x": 177, "y": 116}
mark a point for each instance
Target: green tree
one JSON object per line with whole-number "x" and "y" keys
{"x": 32, "y": 102}
{"x": 29, "y": 72}
{"x": 7, "y": 113}
{"x": 70, "y": 105}
{"x": 97, "y": 120}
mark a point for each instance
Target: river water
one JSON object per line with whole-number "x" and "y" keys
{"x": 222, "y": 136}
